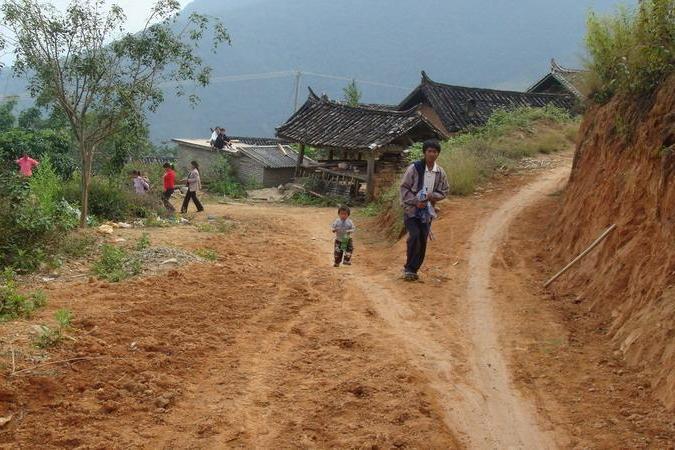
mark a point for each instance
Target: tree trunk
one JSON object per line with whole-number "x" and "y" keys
{"x": 87, "y": 155}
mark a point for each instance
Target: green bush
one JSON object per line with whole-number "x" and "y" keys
{"x": 113, "y": 199}
{"x": 222, "y": 180}
{"x": 14, "y": 305}
{"x": 116, "y": 264}
{"x": 54, "y": 144}
{"x": 33, "y": 217}
{"x": 631, "y": 51}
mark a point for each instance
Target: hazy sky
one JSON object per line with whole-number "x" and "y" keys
{"x": 135, "y": 10}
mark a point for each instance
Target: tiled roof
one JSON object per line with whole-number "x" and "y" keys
{"x": 461, "y": 107}
{"x": 258, "y": 140}
{"x": 571, "y": 79}
{"x": 270, "y": 156}
{"x": 324, "y": 123}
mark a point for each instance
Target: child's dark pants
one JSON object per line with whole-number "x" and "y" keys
{"x": 343, "y": 251}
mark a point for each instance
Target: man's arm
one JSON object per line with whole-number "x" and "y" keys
{"x": 407, "y": 196}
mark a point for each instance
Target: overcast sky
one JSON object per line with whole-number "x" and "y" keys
{"x": 135, "y": 10}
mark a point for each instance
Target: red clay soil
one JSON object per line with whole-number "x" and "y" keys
{"x": 624, "y": 174}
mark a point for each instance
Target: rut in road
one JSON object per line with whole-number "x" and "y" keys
{"x": 485, "y": 408}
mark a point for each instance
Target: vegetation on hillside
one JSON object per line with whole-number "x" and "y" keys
{"x": 472, "y": 158}
{"x": 632, "y": 51}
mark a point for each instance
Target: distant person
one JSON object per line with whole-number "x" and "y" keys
{"x": 424, "y": 183}
{"x": 26, "y": 165}
{"x": 222, "y": 140}
{"x": 194, "y": 184}
{"x": 214, "y": 135}
{"x": 141, "y": 185}
{"x": 169, "y": 187}
{"x": 343, "y": 228}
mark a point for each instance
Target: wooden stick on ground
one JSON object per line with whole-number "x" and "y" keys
{"x": 58, "y": 362}
{"x": 581, "y": 255}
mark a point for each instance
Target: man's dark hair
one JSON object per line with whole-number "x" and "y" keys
{"x": 431, "y": 143}
{"x": 166, "y": 165}
{"x": 195, "y": 164}
{"x": 345, "y": 209}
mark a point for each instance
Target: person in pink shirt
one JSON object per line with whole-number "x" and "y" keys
{"x": 26, "y": 165}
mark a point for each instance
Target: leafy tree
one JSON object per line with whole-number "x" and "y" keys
{"x": 102, "y": 84}
{"x": 31, "y": 119}
{"x": 7, "y": 118}
{"x": 38, "y": 143}
{"x": 352, "y": 94}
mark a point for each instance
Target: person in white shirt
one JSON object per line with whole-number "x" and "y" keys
{"x": 424, "y": 183}
{"x": 194, "y": 184}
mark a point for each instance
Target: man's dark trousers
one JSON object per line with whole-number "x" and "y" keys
{"x": 418, "y": 233}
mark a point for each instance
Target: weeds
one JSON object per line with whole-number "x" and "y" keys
{"x": 207, "y": 254}
{"x": 217, "y": 226}
{"x": 77, "y": 245}
{"x": 49, "y": 337}
{"x": 143, "y": 242}
{"x": 14, "y": 305}
{"x": 116, "y": 264}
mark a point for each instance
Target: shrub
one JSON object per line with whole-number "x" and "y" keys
{"x": 222, "y": 180}
{"x": 116, "y": 264}
{"x": 631, "y": 51}
{"x": 54, "y": 144}
{"x": 143, "y": 242}
{"x": 33, "y": 217}
{"x": 112, "y": 198}
{"x": 14, "y": 305}
{"x": 76, "y": 244}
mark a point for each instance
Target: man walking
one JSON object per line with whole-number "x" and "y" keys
{"x": 424, "y": 183}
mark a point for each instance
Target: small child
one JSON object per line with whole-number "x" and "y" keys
{"x": 343, "y": 229}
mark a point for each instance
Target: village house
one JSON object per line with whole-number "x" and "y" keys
{"x": 455, "y": 109}
{"x": 364, "y": 144}
{"x": 262, "y": 162}
{"x": 561, "y": 80}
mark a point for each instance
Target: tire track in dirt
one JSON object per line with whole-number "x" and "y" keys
{"x": 484, "y": 406}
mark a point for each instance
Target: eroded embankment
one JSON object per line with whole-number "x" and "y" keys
{"x": 624, "y": 174}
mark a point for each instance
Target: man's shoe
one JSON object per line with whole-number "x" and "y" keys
{"x": 336, "y": 265}
{"x": 410, "y": 276}
{"x": 347, "y": 263}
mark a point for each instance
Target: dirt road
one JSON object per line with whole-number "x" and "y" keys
{"x": 271, "y": 347}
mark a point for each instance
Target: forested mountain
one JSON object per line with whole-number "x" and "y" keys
{"x": 488, "y": 43}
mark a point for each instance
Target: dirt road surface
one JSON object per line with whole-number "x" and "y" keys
{"x": 272, "y": 347}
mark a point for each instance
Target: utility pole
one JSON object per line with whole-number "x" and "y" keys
{"x": 298, "y": 74}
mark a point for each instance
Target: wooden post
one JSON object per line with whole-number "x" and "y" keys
{"x": 370, "y": 177}
{"x": 301, "y": 158}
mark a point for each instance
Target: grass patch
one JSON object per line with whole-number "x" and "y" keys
{"x": 115, "y": 264}
{"x": 207, "y": 254}
{"x": 77, "y": 244}
{"x": 307, "y": 199}
{"x": 14, "y": 305}
{"x": 50, "y": 336}
{"x": 143, "y": 242}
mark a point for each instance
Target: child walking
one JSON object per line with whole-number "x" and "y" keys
{"x": 343, "y": 228}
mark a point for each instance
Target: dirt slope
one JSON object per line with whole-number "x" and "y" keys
{"x": 624, "y": 174}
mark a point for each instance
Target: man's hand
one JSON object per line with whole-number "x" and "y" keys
{"x": 422, "y": 205}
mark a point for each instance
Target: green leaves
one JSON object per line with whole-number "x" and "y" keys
{"x": 632, "y": 51}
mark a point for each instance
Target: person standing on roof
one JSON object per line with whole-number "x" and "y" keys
{"x": 26, "y": 165}
{"x": 214, "y": 135}
{"x": 424, "y": 183}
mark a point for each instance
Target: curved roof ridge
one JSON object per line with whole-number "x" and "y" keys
{"x": 503, "y": 91}
{"x": 555, "y": 67}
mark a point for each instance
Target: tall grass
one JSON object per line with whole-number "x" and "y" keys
{"x": 472, "y": 158}
{"x": 632, "y": 50}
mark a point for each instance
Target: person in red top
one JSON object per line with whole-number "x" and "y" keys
{"x": 26, "y": 165}
{"x": 169, "y": 187}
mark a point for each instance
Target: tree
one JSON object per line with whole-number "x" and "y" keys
{"x": 31, "y": 118}
{"x": 352, "y": 94}
{"x": 7, "y": 118}
{"x": 102, "y": 79}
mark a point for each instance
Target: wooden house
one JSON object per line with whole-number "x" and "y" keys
{"x": 364, "y": 143}
{"x": 561, "y": 80}
{"x": 457, "y": 108}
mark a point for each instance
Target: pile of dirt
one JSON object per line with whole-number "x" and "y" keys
{"x": 624, "y": 174}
